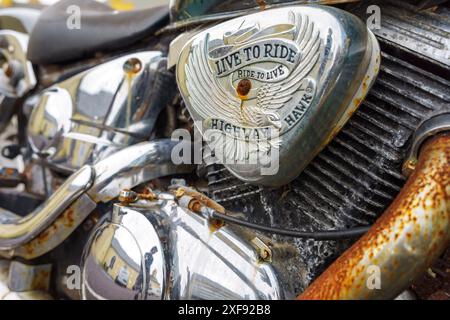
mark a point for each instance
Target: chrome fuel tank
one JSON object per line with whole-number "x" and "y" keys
{"x": 99, "y": 111}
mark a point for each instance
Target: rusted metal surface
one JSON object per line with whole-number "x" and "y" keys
{"x": 434, "y": 284}
{"x": 403, "y": 242}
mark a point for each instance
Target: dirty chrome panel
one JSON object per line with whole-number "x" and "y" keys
{"x": 98, "y": 112}
{"x": 263, "y": 91}
{"x": 159, "y": 250}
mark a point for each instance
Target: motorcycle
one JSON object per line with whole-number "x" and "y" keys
{"x": 225, "y": 150}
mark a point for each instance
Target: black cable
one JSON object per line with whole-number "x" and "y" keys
{"x": 316, "y": 235}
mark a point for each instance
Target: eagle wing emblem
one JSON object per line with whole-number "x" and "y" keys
{"x": 272, "y": 96}
{"x": 213, "y": 101}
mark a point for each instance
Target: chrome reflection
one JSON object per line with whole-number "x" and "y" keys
{"x": 50, "y": 224}
{"x": 159, "y": 250}
{"x": 98, "y": 112}
{"x": 126, "y": 261}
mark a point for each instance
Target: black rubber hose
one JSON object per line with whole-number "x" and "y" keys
{"x": 316, "y": 235}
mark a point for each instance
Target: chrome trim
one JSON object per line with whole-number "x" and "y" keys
{"x": 430, "y": 127}
{"x": 59, "y": 216}
{"x": 182, "y": 17}
{"x": 193, "y": 260}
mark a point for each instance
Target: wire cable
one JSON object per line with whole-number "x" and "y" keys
{"x": 316, "y": 235}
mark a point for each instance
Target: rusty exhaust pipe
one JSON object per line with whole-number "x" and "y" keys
{"x": 403, "y": 242}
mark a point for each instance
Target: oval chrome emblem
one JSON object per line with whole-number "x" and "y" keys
{"x": 269, "y": 90}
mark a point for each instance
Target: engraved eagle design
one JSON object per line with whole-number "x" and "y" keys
{"x": 210, "y": 99}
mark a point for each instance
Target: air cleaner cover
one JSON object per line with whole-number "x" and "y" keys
{"x": 269, "y": 90}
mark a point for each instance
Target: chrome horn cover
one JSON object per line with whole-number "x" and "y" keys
{"x": 160, "y": 250}
{"x": 271, "y": 95}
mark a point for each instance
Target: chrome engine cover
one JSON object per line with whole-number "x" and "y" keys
{"x": 270, "y": 95}
{"x": 159, "y": 250}
{"x": 99, "y": 111}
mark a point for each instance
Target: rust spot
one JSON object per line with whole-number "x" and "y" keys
{"x": 262, "y": 4}
{"x": 243, "y": 88}
{"x": 364, "y": 86}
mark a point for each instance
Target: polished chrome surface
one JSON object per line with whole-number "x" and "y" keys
{"x": 49, "y": 225}
{"x": 16, "y": 232}
{"x": 276, "y": 86}
{"x": 190, "y": 259}
{"x": 98, "y": 112}
{"x": 16, "y": 73}
{"x": 440, "y": 123}
{"x": 7, "y": 294}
